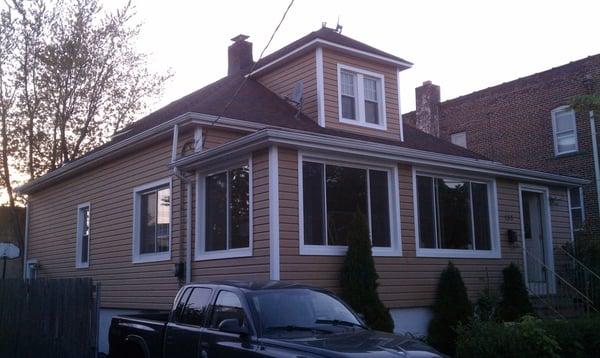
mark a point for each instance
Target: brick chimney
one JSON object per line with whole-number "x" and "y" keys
{"x": 240, "y": 55}
{"x": 427, "y": 115}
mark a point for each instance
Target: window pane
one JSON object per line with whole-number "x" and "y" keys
{"x": 240, "y": 207}
{"x": 370, "y": 85}
{"x": 84, "y": 217}
{"x": 566, "y": 142}
{"x": 216, "y": 212}
{"x": 348, "y": 107}
{"x": 148, "y": 223}
{"x": 380, "y": 208}
{"x": 481, "y": 216}
{"x": 181, "y": 304}
{"x": 346, "y": 194}
{"x": 575, "y": 197}
{"x": 312, "y": 196}
{"x": 426, "y": 212}
{"x": 195, "y": 310}
{"x": 228, "y": 306}
{"x": 163, "y": 220}
{"x": 84, "y": 248}
{"x": 372, "y": 112}
{"x": 565, "y": 120}
{"x": 453, "y": 214}
{"x": 348, "y": 83}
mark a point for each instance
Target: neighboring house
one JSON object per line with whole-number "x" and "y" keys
{"x": 528, "y": 123}
{"x": 267, "y": 192}
{"x": 9, "y": 234}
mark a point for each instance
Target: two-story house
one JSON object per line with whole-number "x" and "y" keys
{"x": 528, "y": 123}
{"x": 258, "y": 175}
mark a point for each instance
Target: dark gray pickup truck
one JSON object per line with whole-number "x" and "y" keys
{"x": 255, "y": 319}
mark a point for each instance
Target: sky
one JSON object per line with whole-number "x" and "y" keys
{"x": 463, "y": 46}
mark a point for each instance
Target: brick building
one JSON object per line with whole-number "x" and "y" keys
{"x": 527, "y": 123}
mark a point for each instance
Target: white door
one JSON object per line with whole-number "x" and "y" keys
{"x": 535, "y": 242}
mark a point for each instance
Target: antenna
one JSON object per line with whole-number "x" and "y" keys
{"x": 338, "y": 27}
{"x": 296, "y": 98}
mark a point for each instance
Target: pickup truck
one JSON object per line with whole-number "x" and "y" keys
{"x": 255, "y": 319}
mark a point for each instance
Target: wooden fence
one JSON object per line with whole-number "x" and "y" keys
{"x": 49, "y": 318}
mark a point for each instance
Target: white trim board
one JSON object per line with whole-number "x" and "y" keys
{"x": 320, "y": 87}
{"x": 274, "y": 258}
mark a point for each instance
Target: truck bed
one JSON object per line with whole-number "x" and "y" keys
{"x": 148, "y": 328}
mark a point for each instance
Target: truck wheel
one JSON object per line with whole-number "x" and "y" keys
{"x": 133, "y": 350}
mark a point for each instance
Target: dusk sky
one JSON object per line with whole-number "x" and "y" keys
{"x": 460, "y": 45}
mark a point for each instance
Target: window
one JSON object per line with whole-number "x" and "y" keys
{"x": 196, "y": 305}
{"x": 454, "y": 217}
{"x": 332, "y": 195}
{"x": 361, "y": 98}
{"x": 459, "y": 139}
{"x": 152, "y": 222}
{"x": 225, "y": 214}
{"x": 228, "y": 306}
{"x": 82, "y": 245}
{"x": 576, "y": 199}
{"x": 564, "y": 130}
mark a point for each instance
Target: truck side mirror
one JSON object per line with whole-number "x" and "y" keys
{"x": 233, "y": 325}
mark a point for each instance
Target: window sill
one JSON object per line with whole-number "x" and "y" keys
{"x": 141, "y": 258}
{"x": 223, "y": 254}
{"x": 322, "y": 250}
{"x": 358, "y": 123}
{"x": 567, "y": 154}
{"x": 82, "y": 265}
{"x": 467, "y": 254}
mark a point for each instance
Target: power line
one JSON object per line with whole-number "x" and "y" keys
{"x": 237, "y": 91}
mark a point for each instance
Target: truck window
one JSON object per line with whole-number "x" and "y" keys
{"x": 194, "y": 312}
{"x": 228, "y": 306}
{"x": 181, "y": 304}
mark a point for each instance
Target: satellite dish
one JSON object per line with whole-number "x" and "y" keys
{"x": 9, "y": 251}
{"x": 297, "y": 93}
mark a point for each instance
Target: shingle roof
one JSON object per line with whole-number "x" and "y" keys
{"x": 330, "y": 35}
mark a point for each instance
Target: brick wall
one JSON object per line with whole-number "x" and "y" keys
{"x": 512, "y": 123}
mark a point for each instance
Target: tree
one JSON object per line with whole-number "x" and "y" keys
{"x": 70, "y": 77}
{"x": 450, "y": 309}
{"x": 515, "y": 299}
{"x": 359, "y": 278}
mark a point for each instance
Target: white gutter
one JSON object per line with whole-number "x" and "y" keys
{"x": 26, "y": 239}
{"x": 595, "y": 153}
{"x": 349, "y": 146}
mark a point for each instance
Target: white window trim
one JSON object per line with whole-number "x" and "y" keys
{"x": 199, "y": 253}
{"x": 555, "y": 134}
{"x": 571, "y": 208}
{"x": 394, "y": 205}
{"x": 79, "y": 236}
{"x": 495, "y": 252}
{"x": 157, "y": 256}
{"x": 360, "y": 106}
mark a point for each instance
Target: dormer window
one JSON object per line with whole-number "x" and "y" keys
{"x": 361, "y": 99}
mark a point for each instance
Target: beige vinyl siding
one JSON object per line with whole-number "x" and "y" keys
{"x": 331, "y": 59}
{"x": 283, "y": 80}
{"x": 405, "y": 281}
{"x": 109, "y": 189}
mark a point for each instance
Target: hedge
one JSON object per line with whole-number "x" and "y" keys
{"x": 530, "y": 337}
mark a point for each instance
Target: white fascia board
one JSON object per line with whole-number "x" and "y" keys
{"x": 322, "y": 142}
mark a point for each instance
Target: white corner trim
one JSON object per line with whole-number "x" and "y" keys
{"x": 400, "y": 106}
{"x": 79, "y": 235}
{"x": 150, "y": 257}
{"x": 198, "y": 139}
{"x": 394, "y": 204}
{"x": 496, "y": 246}
{"x": 359, "y": 99}
{"x": 175, "y": 143}
{"x": 320, "y": 87}
{"x": 274, "y": 259}
{"x": 199, "y": 242}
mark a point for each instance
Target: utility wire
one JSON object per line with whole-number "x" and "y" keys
{"x": 237, "y": 91}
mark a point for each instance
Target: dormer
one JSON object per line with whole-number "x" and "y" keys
{"x": 346, "y": 84}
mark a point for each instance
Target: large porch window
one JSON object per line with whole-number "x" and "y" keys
{"x": 455, "y": 217}
{"x": 331, "y": 196}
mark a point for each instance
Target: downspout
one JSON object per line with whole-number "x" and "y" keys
{"x": 25, "y": 239}
{"x": 595, "y": 153}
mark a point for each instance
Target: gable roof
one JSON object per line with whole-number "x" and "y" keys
{"x": 331, "y": 36}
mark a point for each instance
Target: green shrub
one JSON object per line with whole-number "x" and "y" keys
{"x": 530, "y": 337}
{"x": 527, "y": 338}
{"x": 359, "y": 278}
{"x": 515, "y": 299}
{"x": 486, "y": 306}
{"x": 451, "y": 307}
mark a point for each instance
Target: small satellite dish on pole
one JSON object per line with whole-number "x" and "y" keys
{"x": 8, "y": 251}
